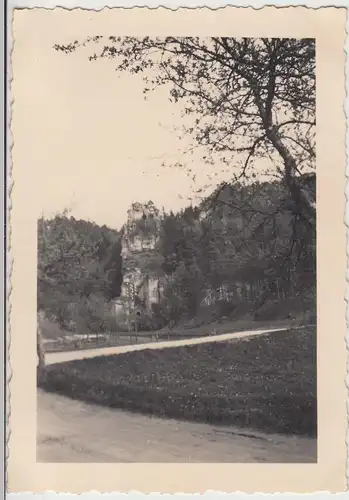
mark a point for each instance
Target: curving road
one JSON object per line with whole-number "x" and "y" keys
{"x": 71, "y": 431}
{"x": 61, "y": 357}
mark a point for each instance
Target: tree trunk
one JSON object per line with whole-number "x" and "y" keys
{"x": 305, "y": 204}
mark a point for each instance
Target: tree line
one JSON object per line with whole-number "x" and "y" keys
{"x": 242, "y": 247}
{"x": 79, "y": 271}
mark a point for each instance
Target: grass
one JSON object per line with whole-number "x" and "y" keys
{"x": 267, "y": 383}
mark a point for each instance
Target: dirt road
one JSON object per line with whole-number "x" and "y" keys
{"x": 71, "y": 431}
{"x": 61, "y": 357}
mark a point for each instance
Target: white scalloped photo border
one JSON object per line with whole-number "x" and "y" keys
{"x": 98, "y": 5}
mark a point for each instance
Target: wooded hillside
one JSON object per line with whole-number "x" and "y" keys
{"x": 243, "y": 247}
{"x": 79, "y": 271}
{"x": 243, "y": 250}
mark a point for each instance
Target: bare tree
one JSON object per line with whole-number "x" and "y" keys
{"x": 249, "y": 98}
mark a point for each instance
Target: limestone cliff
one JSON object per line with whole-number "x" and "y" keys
{"x": 141, "y": 260}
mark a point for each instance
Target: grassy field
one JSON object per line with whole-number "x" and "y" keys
{"x": 266, "y": 383}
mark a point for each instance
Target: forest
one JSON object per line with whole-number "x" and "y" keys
{"x": 244, "y": 250}
{"x": 79, "y": 271}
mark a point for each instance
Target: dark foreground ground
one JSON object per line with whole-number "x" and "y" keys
{"x": 267, "y": 383}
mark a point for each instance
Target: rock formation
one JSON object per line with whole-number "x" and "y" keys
{"x": 141, "y": 262}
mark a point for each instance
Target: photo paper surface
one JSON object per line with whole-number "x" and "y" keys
{"x": 177, "y": 313}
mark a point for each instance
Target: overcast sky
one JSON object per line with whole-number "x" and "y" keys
{"x": 86, "y": 138}
{"x": 93, "y": 142}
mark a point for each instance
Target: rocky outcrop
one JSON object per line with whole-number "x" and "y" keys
{"x": 141, "y": 262}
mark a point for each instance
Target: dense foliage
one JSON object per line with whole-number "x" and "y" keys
{"x": 244, "y": 246}
{"x": 79, "y": 271}
{"x": 242, "y": 250}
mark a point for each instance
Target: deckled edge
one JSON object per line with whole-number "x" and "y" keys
{"x": 208, "y": 495}
{"x": 346, "y": 219}
{"x": 10, "y": 261}
{"x": 173, "y": 5}
{"x": 9, "y": 256}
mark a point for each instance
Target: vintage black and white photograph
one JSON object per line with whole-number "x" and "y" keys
{"x": 176, "y": 251}
{"x": 177, "y": 283}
